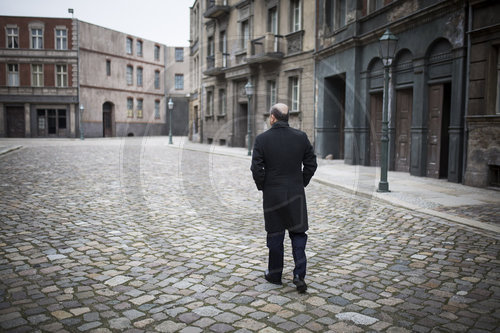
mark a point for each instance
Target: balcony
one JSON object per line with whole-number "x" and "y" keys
{"x": 217, "y": 64}
{"x": 268, "y": 48}
{"x": 295, "y": 42}
{"x": 216, "y": 9}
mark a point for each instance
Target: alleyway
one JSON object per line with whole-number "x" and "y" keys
{"x": 133, "y": 235}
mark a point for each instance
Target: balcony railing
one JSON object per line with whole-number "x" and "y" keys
{"x": 216, "y": 9}
{"x": 216, "y": 64}
{"x": 268, "y": 48}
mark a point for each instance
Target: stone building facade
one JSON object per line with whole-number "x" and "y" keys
{"x": 66, "y": 78}
{"x": 426, "y": 87}
{"x": 482, "y": 166}
{"x": 38, "y": 77}
{"x": 270, "y": 44}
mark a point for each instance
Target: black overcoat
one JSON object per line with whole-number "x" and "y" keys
{"x": 283, "y": 162}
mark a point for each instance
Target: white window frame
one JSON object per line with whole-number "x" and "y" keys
{"x": 222, "y": 102}
{"x": 295, "y": 93}
{"x": 129, "y": 46}
{"x": 61, "y": 36}
{"x": 61, "y": 75}
{"x": 210, "y": 103}
{"x": 271, "y": 93}
{"x": 179, "y": 81}
{"x": 139, "y": 76}
{"x": 37, "y": 75}
{"x": 139, "y": 46}
{"x": 13, "y": 75}
{"x": 296, "y": 15}
{"x": 157, "y": 80}
{"x": 245, "y": 33}
{"x": 140, "y": 106}
{"x": 36, "y": 38}
{"x": 157, "y": 52}
{"x": 129, "y": 75}
{"x": 157, "y": 109}
{"x": 130, "y": 107}
{"x": 179, "y": 54}
{"x": 12, "y": 37}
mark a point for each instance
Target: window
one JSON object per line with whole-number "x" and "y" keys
{"x": 296, "y": 15}
{"x": 12, "y": 38}
{"x": 37, "y": 75}
{"x": 271, "y": 93}
{"x": 13, "y": 75}
{"x": 498, "y": 82}
{"x": 130, "y": 107}
{"x": 179, "y": 81}
{"x": 210, "y": 103}
{"x": 51, "y": 122}
{"x": 335, "y": 14}
{"x": 179, "y": 54}
{"x": 139, "y": 108}
{"x": 129, "y": 45}
{"x": 157, "y": 79}
{"x": 157, "y": 109}
{"x": 61, "y": 75}
{"x": 130, "y": 75}
{"x": 245, "y": 34}
{"x": 223, "y": 48}
{"x": 222, "y": 102}
{"x": 374, "y": 5}
{"x": 61, "y": 39}
{"x": 139, "y": 48}
{"x": 36, "y": 38}
{"x": 157, "y": 52}
{"x": 108, "y": 67}
{"x": 295, "y": 93}
{"x": 272, "y": 20}
{"x": 139, "y": 76}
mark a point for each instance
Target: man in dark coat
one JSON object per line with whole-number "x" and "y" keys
{"x": 283, "y": 163}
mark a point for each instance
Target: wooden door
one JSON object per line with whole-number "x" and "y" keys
{"x": 376, "y": 105}
{"x": 15, "y": 122}
{"x": 404, "y": 101}
{"x": 434, "y": 130}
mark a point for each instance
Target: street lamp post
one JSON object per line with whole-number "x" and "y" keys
{"x": 80, "y": 122}
{"x": 171, "y": 108}
{"x": 249, "y": 91}
{"x": 387, "y": 45}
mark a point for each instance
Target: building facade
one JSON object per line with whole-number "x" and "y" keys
{"x": 482, "y": 164}
{"x": 69, "y": 78}
{"x": 426, "y": 86}
{"x": 267, "y": 43}
{"x": 38, "y": 77}
{"x": 178, "y": 88}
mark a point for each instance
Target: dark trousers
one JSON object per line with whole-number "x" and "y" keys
{"x": 275, "y": 245}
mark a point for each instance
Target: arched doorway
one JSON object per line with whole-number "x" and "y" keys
{"x": 439, "y": 62}
{"x": 107, "y": 119}
{"x": 376, "y": 90}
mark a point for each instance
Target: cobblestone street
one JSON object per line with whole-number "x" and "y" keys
{"x": 136, "y": 235}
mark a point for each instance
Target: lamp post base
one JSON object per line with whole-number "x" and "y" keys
{"x": 383, "y": 187}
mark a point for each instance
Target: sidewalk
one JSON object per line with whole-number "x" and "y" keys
{"x": 475, "y": 207}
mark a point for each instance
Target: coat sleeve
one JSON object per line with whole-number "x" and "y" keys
{"x": 258, "y": 165}
{"x": 309, "y": 162}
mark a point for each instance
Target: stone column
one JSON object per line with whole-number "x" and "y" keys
{"x": 419, "y": 120}
{"x": 72, "y": 121}
{"x": 27, "y": 120}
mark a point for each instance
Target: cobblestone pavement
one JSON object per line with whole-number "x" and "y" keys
{"x": 483, "y": 213}
{"x": 132, "y": 235}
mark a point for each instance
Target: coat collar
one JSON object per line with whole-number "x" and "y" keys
{"x": 280, "y": 124}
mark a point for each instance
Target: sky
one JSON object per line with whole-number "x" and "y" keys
{"x": 162, "y": 21}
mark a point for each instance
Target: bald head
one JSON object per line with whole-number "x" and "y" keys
{"x": 280, "y": 112}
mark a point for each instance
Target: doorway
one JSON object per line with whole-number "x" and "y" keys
{"x": 438, "y": 136}
{"x": 376, "y": 105}
{"x": 240, "y": 125}
{"x": 107, "y": 119}
{"x": 404, "y": 102}
{"x": 334, "y": 115}
{"x": 15, "y": 122}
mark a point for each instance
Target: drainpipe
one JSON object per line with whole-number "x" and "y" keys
{"x": 165, "y": 59}
{"x": 78, "y": 76}
{"x": 315, "y": 81}
{"x": 467, "y": 75}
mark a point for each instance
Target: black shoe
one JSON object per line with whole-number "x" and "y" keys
{"x": 270, "y": 280}
{"x": 300, "y": 284}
